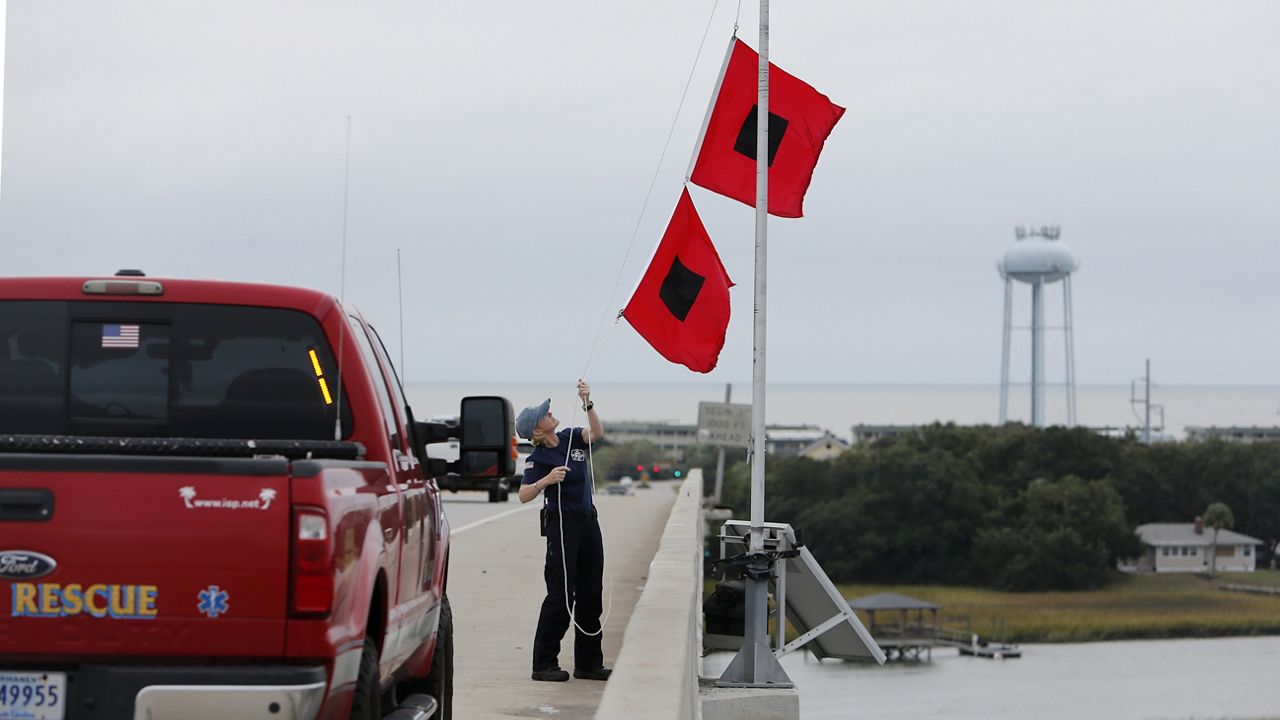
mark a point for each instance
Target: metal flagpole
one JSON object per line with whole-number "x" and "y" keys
{"x": 755, "y": 665}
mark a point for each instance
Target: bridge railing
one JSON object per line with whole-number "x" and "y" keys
{"x": 656, "y": 673}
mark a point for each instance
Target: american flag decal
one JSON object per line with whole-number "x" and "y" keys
{"x": 119, "y": 336}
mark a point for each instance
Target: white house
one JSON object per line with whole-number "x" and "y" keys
{"x": 1185, "y": 547}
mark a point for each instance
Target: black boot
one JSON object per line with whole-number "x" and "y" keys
{"x": 551, "y": 674}
{"x": 600, "y": 673}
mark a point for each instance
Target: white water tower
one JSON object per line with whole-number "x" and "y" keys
{"x": 1038, "y": 258}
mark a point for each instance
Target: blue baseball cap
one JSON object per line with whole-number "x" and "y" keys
{"x": 529, "y": 417}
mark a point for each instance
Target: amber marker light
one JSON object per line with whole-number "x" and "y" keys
{"x": 324, "y": 386}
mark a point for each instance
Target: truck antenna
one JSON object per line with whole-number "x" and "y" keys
{"x": 404, "y": 371}
{"x": 342, "y": 285}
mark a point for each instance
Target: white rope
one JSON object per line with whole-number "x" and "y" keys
{"x": 597, "y": 350}
{"x": 649, "y": 194}
{"x": 604, "y": 563}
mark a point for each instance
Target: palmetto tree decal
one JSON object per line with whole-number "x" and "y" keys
{"x": 188, "y": 494}
{"x": 266, "y": 496}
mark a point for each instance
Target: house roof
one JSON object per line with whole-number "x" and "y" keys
{"x": 793, "y": 433}
{"x": 823, "y": 441}
{"x": 1185, "y": 534}
{"x": 891, "y": 601}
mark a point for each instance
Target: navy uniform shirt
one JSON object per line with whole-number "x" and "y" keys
{"x": 575, "y": 492}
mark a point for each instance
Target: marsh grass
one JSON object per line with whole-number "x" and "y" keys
{"x": 1132, "y": 607}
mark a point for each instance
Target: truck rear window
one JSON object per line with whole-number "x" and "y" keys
{"x": 166, "y": 370}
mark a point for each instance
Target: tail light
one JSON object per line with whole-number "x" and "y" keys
{"x": 311, "y": 564}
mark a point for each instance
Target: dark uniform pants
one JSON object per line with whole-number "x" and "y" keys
{"x": 584, "y": 563}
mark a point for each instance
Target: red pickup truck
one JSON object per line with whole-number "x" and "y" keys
{"x": 215, "y": 502}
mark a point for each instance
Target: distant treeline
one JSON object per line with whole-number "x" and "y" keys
{"x": 1012, "y": 507}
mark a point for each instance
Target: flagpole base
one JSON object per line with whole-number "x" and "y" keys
{"x": 754, "y": 667}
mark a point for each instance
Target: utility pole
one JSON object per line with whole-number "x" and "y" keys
{"x": 1146, "y": 428}
{"x": 1147, "y": 405}
{"x": 728, "y": 394}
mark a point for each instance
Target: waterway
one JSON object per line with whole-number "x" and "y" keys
{"x": 1232, "y": 678}
{"x": 837, "y": 407}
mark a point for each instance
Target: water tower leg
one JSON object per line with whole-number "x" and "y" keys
{"x": 1069, "y": 329}
{"x": 1037, "y": 353}
{"x": 1004, "y": 355}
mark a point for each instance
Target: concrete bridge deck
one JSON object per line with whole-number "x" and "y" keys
{"x": 496, "y": 589}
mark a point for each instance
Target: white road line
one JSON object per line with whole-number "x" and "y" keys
{"x": 491, "y": 518}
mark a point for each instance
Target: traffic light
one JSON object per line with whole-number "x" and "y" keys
{"x": 639, "y": 468}
{"x": 677, "y": 473}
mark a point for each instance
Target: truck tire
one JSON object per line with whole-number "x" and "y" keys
{"x": 367, "y": 703}
{"x": 439, "y": 681}
{"x": 495, "y": 491}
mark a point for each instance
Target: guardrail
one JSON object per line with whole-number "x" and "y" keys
{"x": 656, "y": 673}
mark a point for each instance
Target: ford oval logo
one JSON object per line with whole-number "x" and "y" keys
{"x": 25, "y": 565}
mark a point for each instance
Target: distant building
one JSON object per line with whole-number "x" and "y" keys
{"x": 867, "y": 434}
{"x": 824, "y": 448}
{"x": 788, "y": 440}
{"x": 1246, "y": 435}
{"x": 1185, "y": 547}
{"x": 672, "y": 438}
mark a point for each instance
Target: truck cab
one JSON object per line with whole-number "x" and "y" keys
{"x": 215, "y": 501}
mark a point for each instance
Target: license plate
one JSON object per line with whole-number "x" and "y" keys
{"x": 32, "y": 695}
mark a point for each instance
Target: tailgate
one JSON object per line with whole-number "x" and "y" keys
{"x": 153, "y": 557}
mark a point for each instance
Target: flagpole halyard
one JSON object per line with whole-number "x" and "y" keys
{"x": 596, "y": 347}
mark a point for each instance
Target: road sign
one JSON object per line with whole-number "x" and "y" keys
{"x": 724, "y": 424}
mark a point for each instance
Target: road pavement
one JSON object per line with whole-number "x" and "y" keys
{"x": 496, "y": 589}
{"x": 469, "y": 507}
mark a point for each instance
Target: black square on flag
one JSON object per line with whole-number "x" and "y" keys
{"x": 746, "y": 143}
{"x": 680, "y": 289}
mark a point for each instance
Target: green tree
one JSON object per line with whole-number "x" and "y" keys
{"x": 1217, "y": 516}
{"x": 1063, "y": 535}
{"x": 1011, "y": 506}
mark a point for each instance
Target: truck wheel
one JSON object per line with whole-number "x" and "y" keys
{"x": 439, "y": 682}
{"x": 367, "y": 704}
{"x": 504, "y": 492}
{"x": 495, "y": 491}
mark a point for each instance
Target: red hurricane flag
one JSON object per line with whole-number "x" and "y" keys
{"x": 681, "y": 305}
{"x": 800, "y": 119}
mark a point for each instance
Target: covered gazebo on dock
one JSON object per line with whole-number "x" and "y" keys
{"x": 904, "y": 627}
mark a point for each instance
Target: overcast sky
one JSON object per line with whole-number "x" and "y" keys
{"x": 506, "y": 148}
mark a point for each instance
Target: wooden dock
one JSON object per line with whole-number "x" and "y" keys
{"x": 907, "y": 629}
{"x": 971, "y": 644}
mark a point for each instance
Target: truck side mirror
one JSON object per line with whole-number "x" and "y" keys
{"x": 486, "y": 432}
